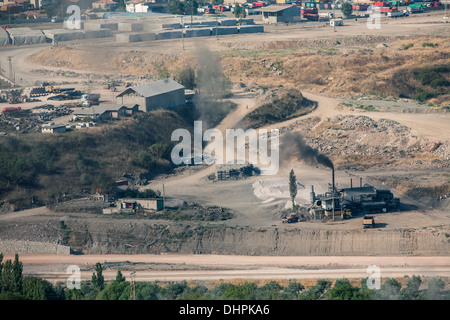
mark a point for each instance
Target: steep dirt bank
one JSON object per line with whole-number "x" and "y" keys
{"x": 184, "y": 239}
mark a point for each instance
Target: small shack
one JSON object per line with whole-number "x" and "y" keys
{"x": 53, "y": 129}
{"x": 134, "y": 204}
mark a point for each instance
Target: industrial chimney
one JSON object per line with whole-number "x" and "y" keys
{"x": 312, "y": 195}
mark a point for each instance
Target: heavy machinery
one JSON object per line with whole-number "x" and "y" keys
{"x": 290, "y": 219}
{"x": 368, "y": 222}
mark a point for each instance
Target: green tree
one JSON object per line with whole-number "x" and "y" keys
{"x": 190, "y": 6}
{"x": 175, "y": 290}
{"x": 1, "y": 268}
{"x": 434, "y": 290}
{"x": 121, "y": 6}
{"x": 237, "y": 10}
{"x": 144, "y": 160}
{"x": 364, "y": 292}
{"x": 411, "y": 291}
{"x": 293, "y": 290}
{"x": 389, "y": 290}
{"x": 38, "y": 289}
{"x": 195, "y": 293}
{"x": 244, "y": 291}
{"x": 119, "y": 276}
{"x": 317, "y": 291}
{"x": 176, "y": 7}
{"x": 98, "y": 280}
{"x": 347, "y": 9}
{"x": 243, "y": 12}
{"x": 6, "y": 279}
{"x": 269, "y": 291}
{"x": 17, "y": 269}
{"x": 159, "y": 150}
{"x": 343, "y": 290}
{"x": 187, "y": 78}
{"x": 115, "y": 291}
{"x": 148, "y": 291}
{"x": 86, "y": 292}
{"x": 292, "y": 187}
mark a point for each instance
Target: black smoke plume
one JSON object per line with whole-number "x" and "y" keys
{"x": 293, "y": 145}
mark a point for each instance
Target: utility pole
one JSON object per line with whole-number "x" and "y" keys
{"x": 217, "y": 26}
{"x": 164, "y": 198}
{"x": 11, "y": 74}
{"x": 334, "y": 15}
{"x": 133, "y": 286}
{"x": 182, "y": 35}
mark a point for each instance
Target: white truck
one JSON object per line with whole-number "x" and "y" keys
{"x": 88, "y": 99}
{"x": 395, "y": 14}
{"x": 326, "y": 15}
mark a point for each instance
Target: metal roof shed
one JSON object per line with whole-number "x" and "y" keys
{"x": 281, "y": 14}
{"x": 165, "y": 93}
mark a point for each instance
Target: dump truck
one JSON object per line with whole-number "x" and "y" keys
{"x": 88, "y": 100}
{"x": 368, "y": 222}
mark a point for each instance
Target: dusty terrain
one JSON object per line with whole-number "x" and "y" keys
{"x": 214, "y": 268}
{"x": 400, "y": 145}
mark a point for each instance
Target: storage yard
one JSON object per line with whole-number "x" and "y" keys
{"x": 386, "y": 193}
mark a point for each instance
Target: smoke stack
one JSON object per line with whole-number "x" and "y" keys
{"x": 360, "y": 182}
{"x": 351, "y": 183}
{"x": 312, "y": 195}
{"x": 332, "y": 179}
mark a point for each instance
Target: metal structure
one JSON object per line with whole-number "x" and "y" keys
{"x": 133, "y": 286}
{"x": 346, "y": 202}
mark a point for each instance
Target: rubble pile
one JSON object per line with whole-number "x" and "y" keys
{"x": 360, "y": 141}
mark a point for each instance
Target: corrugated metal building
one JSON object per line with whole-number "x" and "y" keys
{"x": 160, "y": 94}
{"x": 281, "y": 14}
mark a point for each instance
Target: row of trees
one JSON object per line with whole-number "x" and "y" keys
{"x": 188, "y": 7}
{"x": 14, "y": 286}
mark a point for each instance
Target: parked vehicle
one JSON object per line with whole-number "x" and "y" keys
{"x": 368, "y": 222}
{"x": 290, "y": 219}
{"x": 11, "y": 109}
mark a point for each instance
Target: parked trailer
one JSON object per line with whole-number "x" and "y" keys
{"x": 309, "y": 11}
{"x": 11, "y": 109}
{"x": 310, "y": 16}
{"x": 415, "y": 9}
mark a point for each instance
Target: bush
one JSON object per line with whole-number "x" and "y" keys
{"x": 409, "y": 45}
{"x": 424, "y": 96}
{"x": 429, "y": 44}
{"x": 432, "y": 76}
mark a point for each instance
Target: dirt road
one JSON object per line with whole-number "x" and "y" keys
{"x": 228, "y": 267}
